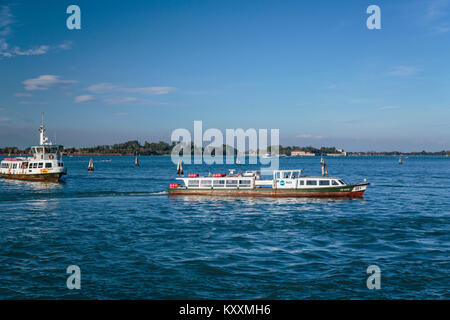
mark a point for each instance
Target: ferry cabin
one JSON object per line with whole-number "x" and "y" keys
{"x": 282, "y": 179}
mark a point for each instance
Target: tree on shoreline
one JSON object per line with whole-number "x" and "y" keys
{"x": 164, "y": 148}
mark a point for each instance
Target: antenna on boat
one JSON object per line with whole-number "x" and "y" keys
{"x": 43, "y": 139}
{"x": 42, "y": 130}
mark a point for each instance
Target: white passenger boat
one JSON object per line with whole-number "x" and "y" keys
{"x": 285, "y": 183}
{"x": 45, "y": 164}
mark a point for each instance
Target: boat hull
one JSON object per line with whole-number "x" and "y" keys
{"x": 47, "y": 177}
{"x": 350, "y": 191}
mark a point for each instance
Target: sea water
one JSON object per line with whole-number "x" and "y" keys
{"x": 131, "y": 240}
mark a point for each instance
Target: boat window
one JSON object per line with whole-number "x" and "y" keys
{"x": 244, "y": 183}
{"x": 277, "y": 175}
{"x": 232, "y": 183}
{"x": 324, "y": 182}
{"x": 205, "y": 183}
{"x": 219, "y": 183}
{"x": 41, "y": 164}
{"x": 61, "y": 164}
{"x": 335, "y": 183}
{"x": 48, "y": 165}
{"x": 24, "y": 165}
{"x": 342, "y": 182}
{"x": 14, "y": 165}
{"x": 311, "y": 182}
{"x": 35, "y": 165}
{"x": 287, "y": 175}
{"x": 295, "y": 174}
{"x": 302, "y": 182}
{"x": 51, "y": 149}
{"x": 193, "y": 183}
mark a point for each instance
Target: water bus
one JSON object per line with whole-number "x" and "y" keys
{"x": 45, "y": 164}
{"x": 285, "y": 183}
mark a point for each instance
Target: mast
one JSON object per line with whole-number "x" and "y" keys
{"x": 42, "y": 131}
{"x": 42, "y": 138}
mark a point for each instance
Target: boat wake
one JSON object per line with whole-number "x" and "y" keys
{"x": 95, "y": 194}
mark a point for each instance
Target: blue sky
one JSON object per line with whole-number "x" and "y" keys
{"x": 312, "y": 69}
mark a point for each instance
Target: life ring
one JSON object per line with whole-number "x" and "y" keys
{"x": 34, "y": 157}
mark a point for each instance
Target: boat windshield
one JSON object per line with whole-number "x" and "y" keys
{"x": 52, "y": 149}
{"x": 46, "y": 149}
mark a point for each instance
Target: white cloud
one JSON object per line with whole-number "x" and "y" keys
{"x": 6, "y": 19}
{"x": 66, "y": 45}
{"x": 103, "y": 87}
{"x": 22, "y": 94}
{"x": 32, "y": 102}
{"x": 132, "y": 101}
{"x": 388, "y": 108}
{"x": 308, "y": 136}
{"x": 31, "y": 52}
{"x": 436, "y": 9}
{"x": 44, "y": 82}
{"x": 151, "y": 90}
{"x": 442, "y": 28}
{"x": 120, "y": 100}
{"x": 84, "y": 98}
{"x": 106, "y": 87}
{"x": 403, "y": 71}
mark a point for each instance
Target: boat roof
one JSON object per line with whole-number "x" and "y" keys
{"x": 13, "y": 159}
{"x": 46, "y": 145}
{"x": 242, "y": 176}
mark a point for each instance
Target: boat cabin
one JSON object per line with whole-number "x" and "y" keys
{"x": 46, "y": 152}
{"x": 292, "y": 179}
{"x": 282, "y": 179}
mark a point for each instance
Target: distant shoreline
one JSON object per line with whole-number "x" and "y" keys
{"x": 281, "y": 156}
{"x": 131, "y": 148}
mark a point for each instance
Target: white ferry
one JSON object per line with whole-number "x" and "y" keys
{"x": 46, "y": 163}
{"x": 285, "y": 183}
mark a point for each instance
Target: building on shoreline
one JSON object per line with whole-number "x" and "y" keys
{"x": 339, "y": 153}
{"x": 299, "y": 153}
